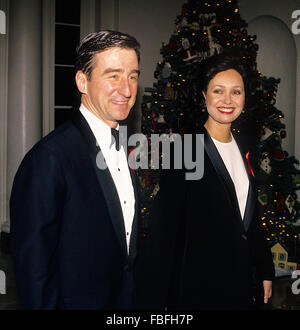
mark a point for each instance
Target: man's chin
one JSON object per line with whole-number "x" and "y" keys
{"x": 122, "y": 116}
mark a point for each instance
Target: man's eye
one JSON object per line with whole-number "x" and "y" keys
{"x": 113, "y": 76}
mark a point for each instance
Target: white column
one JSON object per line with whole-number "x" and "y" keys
{"x": 24, "y": 117}
{"x": 109, "y": 15}
{"x": 4, "y": 6}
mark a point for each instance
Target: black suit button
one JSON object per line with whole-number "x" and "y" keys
{"x": 244, "y": 237}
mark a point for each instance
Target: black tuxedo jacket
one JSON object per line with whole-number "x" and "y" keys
{"x": 200, "y": 253}
{"x": 67, "y": 229}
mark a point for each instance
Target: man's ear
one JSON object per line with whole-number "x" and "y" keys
{"x": 81, "y": 81}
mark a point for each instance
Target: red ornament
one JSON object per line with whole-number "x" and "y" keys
{"x": 283, "y": 134}
{"x": 279, "y": 154}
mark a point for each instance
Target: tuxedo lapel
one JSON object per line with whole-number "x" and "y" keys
{"x": 224, "y": 177}
{"x": 105, "y": 181}
{"x": 134, "y": 232}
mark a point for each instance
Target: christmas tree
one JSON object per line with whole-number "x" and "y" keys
{"x": 174, "y": 105}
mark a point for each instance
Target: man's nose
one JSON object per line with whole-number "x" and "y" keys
{"x": 124, "y": 87}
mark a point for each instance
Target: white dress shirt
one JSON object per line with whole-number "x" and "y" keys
{"x": 117, "y": 164}
{"x": 233, "y": 161}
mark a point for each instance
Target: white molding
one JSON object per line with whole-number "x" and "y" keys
{"x": 48, "y": 65}
{"x": 4, "y": 5}
{"x": 89, "y": 16}
{"x": 109, "y": 14}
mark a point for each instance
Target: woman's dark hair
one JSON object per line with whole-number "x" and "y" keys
{"x": 229, "y": 59}
{"x": 97, "y": 42}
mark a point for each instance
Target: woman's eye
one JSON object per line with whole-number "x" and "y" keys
{"x": 237, "y": 92}
{"x": 217, "y": 91}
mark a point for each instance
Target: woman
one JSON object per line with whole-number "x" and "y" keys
{"x": 206, "y": 243}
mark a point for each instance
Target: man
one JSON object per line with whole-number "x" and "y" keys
{"x": 73, "y": 224}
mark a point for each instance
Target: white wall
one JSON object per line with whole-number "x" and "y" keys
{"x": 277, "y": 58}
{"x": 151, "y": 23}
{"x": 3, "y": 115}
{"x": 282, "y": 10}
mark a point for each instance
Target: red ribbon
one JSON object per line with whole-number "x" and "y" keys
{"x": 131, "y": 158}
{"x": 147, "y": 181}
{"x": 250, "y": 170}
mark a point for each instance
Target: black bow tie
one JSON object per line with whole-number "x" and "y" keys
{"x": 115, "y": 138}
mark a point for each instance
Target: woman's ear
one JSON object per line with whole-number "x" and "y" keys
{"x": 204, "y": 95}
{"x": 81, "y": 81}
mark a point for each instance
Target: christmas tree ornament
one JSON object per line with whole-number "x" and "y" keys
{"x": 156, "y": 189}
{"x": 189, "y": 55}
{"x": 265, "y": 164}
{"x": 283, "y": 134}
{"x": 296, "y": 179}
{"x": 169, "y": 92}
{"x": 263, "y": 199}
{"x": 289, "y": 202}
{"x": 156, "y": 74}
{"x": 279, "y": 154}
{"x": 266, "y": 133}
{"x": 166, "y": 72}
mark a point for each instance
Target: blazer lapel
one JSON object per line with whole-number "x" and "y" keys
{"x": 105, "y": 181}
{"x": 251, "y": 198}
{"x": 224, "y": 177}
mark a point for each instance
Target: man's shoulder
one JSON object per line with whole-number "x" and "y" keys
{"x": 59, "y": 142}
{"x": 59, "y": 138}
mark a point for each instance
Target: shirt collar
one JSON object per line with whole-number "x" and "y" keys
{"x": 100, "y": 129}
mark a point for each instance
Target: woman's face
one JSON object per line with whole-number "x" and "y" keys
{"x": 225, "y": 96}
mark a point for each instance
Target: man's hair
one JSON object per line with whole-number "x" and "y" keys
{"x": 96, "y": 42}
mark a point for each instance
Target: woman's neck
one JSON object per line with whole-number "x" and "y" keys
{"x": 218, "y": 131}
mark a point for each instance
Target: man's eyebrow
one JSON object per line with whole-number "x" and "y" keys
{"x": 110, "y": 70}
{"x": 136, "y": 71}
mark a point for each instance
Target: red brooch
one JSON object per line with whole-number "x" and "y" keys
{"x": 249, "y": 165}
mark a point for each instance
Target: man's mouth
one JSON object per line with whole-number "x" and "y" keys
{"x": 120, "y": 102}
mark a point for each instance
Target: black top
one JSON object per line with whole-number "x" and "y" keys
{"x": 199, "y": 253}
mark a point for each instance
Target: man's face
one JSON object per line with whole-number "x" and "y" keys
{"x": 111, "y": 91}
